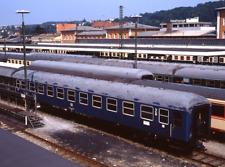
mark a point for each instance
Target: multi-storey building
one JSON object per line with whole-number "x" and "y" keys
{"x": 221, "y": 23}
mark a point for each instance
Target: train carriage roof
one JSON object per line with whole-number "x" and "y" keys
{"x": 208, "y": 92}
{"x": 44, "y": 56}
{"x": 147, "y": 95}
{"x": 106, "y": 72}
{"x": 7, "y": 71}
{"x": 201, "y": 73}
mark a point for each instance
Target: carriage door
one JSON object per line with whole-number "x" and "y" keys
{"x": 201, "y": 121}
{"x": 176, "y": 126}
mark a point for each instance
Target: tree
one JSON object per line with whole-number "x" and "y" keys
{"x": 39, "y": 30}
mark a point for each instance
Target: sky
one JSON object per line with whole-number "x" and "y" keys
{"x": 70, "y": 10}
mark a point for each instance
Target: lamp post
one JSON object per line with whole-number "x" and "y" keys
{"x": 136, "y": 23}
{"x": 5, "y": 44}
{"x": 24, "y": 53}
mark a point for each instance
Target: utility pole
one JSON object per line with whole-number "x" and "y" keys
{"x": 121, "y": 27}
{"x": 24, "y": 55}
{"x": 136, "y": 23}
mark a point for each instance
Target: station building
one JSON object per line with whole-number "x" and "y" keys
{"x": 70, "y": 35}
{"x": 189, "y": 28}
{"x": 221, "y": 23}
{"x": 128, "y": 30}
{"x": 63, "y": 26}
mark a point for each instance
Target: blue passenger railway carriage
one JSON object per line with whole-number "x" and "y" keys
{"x": 178, "y": 116}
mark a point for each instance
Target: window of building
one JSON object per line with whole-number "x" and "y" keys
{"x": 60, "y": 93}
{"x": 114, "y": 36}
{"x": 218, "y": 110}
{"x": 224, "y": 21}
{"x": 50, "y": 91}
{"x": 40, "y": 88}
{"x": 97, "y": 101}
{"x": 32, "y": 86}
{"x": 128, "y": 108}
{"x": 124, "y": 36}
{"x": 176, "y": 57}
{"x": 221, "y": 60}
{"x": 110, "y": 36}
{"x": 163, "y": 116}
{"x": 71, "y": 95}
{"x": 111, "y": 104}
{"x": 83, "y": 98}
{"x": 147, "y": 112}
{"x": 177, "y": 119}
{"x": 188, "y": 58}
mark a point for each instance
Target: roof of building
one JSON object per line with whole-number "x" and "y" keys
{"x": 175, "y": 33}
{"x": 82, "y": 28}
{"x": 106, "y": 24}
{"x": 84, "y": 33}
{"x": 222, "y": 8}
{"x": 132, "y": 26}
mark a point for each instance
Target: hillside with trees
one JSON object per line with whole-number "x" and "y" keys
{"x": 206, "y": 13}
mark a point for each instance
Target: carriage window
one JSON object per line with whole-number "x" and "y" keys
{"x": 179, "y": 80}
{"x": 97, "y": 101}
{"x": 210, "y": 83}
{"x": 23, "y": 85}
{"x": 177, "y": 119}
{"x": 60, "y": 93}
{"x": 71, "y": 95}
{"x": 218, "y": 110}
{"x": 181, "y": 57}
{"x": 83, "y": 98}
{"x": 111, "y": 105}
{"x": 163, "y": 116}
{"x": 147, "y": 112}
{"x": 32, "y": 86}
{"x": 128, "y": 108}
{"x": 50, "y": 91}
{"x": 187, "y": 58}
{"x": 40, "y": 88}
{"x": 17, "y": 83}
{"x": 166, "y": 79}
{"x": 221, "y": 60}
{"x": 159, "y": 78}
{"x": 222, "y": 85}
{"x": 196, "y": 82}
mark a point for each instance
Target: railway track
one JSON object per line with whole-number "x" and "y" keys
{"x": 207, "y": 159}
{"x": 64, "y": 152}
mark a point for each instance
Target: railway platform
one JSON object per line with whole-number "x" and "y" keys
{"x": 15, "y": 151}
{"x": 28, "y": 118}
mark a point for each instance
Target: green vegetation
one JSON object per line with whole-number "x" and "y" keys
{"x": 206, "y": 13}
